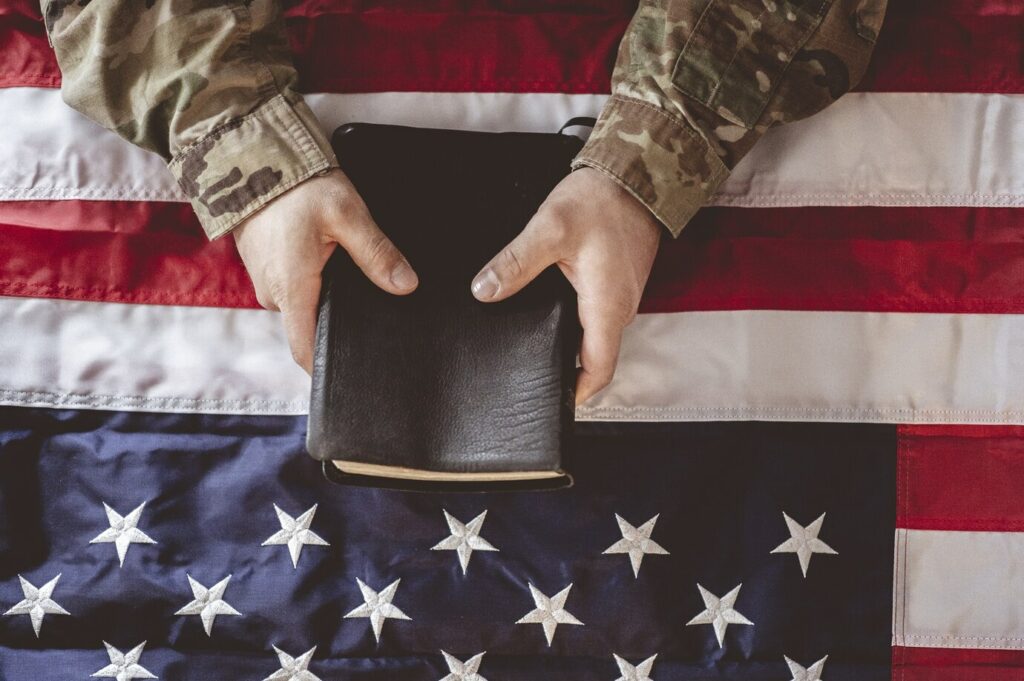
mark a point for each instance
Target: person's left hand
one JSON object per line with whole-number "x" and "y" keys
{"x": 604, "y": 241}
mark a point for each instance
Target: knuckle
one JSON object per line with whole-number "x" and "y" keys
{"x": 300, "y": 355}
{"x": 558, "y": 222}
{"x": 340, "y": 205}
{"x": 554, "y": 239}
{"x": 378, "y": 250}
{"x": 511, "y": 262}
{"x": 276, "y": 290}
{"x": 264, "y": 300}
{"x": 268, "y": 293}
{"x": 335, "y": 196}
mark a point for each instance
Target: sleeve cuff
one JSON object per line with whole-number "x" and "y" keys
{"x": 241, "y": 166}
{"x": 656, "y": 157}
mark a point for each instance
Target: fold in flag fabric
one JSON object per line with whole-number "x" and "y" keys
{"x": 807, "y": 468}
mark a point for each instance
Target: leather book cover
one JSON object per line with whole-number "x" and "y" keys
{"x": 436, "y": 389}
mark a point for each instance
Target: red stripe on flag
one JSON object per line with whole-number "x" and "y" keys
{"x": 560, "y": 46}
{"x": 945, "y": 664}
{"x": 127, "y": 217}
{"x": 25, "y": 56}
{"x": 860, "y": 259}
{"x": 949, "y": 46}
{"x": 855, "y": 259}
{"x": 961, "y": 479}
{"x": 110, "y": 257}
{"x": 474, "y": 51}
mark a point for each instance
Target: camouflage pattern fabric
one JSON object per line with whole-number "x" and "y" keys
{"x": 207, "y": 84}
{"x": 697, "y": 82}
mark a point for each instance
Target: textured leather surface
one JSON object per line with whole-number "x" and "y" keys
{"x": 437, "y": 380}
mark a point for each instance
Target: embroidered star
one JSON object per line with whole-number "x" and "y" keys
{"x": 37, "y": 603}
{"x": 719, "y": 612}
{"x": 293, "y": 668}
{"x": 463, "y": 671}
{"x": 812, "y": 673}
{"x": 208, "y": 603}
{"x": 636, "y": 541}
{"x": 641, "y": 672}
{"x": 295, "y": 533}
{"x": 123, "y": 531}
{"x": 465, "y": 538}
{"x": 377, "y": 606}
{"x": 804, "y": 541}
{"x": 550, "y": 612}
{"x": 125, "y": 666}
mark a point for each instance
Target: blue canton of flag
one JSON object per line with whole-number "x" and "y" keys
{"x": 138, "y": 546}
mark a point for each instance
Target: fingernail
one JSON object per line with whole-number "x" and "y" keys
{"x": 486, "y": 285}
{"x": 403, "y": 277}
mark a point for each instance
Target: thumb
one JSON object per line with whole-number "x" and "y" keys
{"x": 515, "y": 266}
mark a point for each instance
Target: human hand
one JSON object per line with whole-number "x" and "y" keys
{"x": 286, "y": 244}
{"x": 604, "y": 241}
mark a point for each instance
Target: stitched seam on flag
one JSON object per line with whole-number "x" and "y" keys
{"x": 148, "y": 295}
{"x": 265, "y": 406}
{"x": 964, "y": 639}
{"x": 883, "y": 199}
{"x": 744, "y": 200}
{"x": 133, "y": 400}
{"x": 945, "y": 524}
{"x": 29, "y": 193}
{"x": 902, "y": 461}
{"x": 898, "y": 411}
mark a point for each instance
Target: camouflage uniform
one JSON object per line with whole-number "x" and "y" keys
{"x": 697, "y": 82}
{"x": 210, "y": 86}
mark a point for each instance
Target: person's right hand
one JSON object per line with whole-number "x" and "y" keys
{"x": 286, "y": 244}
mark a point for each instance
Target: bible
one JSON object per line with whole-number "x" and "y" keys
{"x": 436, "y": 390}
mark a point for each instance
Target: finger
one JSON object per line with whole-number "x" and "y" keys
{"x": 299, "y": 311}
{"x": 517, "y": 264}
{"x": 599, "y": 352}
{"x": 375, "y": 255}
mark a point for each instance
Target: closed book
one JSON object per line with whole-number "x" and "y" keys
{"x": 436, "y": 390}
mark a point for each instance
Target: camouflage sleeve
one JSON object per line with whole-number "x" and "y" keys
{"x": 208, "y": 85}
{"x": 697, "y": 82}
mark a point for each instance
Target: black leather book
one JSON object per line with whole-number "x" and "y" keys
{"x": 436, "y": 390}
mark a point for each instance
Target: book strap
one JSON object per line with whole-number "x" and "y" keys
{"x": 588, "y": 121}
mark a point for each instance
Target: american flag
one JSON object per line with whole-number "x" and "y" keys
{"x": 808, "y": 467}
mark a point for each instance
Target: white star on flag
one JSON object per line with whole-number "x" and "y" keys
{"x": 636, "y": 541}
{"x": 812, "y": 673}
{"x": 37, "y": 603}
{"x": 804, "y": 541}
{"x": 377, "y": 606}
{"x": 465, "y": 538}
{"x": 641, "y": 672}
{"x": 208, "y": 603}
{"x": 463, "y": 671}
{"x": 125, "y": 666}
{"x": 295, "y": 533}
{"x": 550, "y": 612}
{"x": 293, "y": 668}
{"x": 719, "y": 612}
{"x": 123, "y": 531}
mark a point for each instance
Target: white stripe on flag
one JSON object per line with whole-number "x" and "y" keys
{"x": 888, "y": 149}
{"x": 958, "y": 590}
{"x": 818, "y": 366}
{"x": 768, "y": 365}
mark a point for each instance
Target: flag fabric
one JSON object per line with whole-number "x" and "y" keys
{"x": 807, "y": 468}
